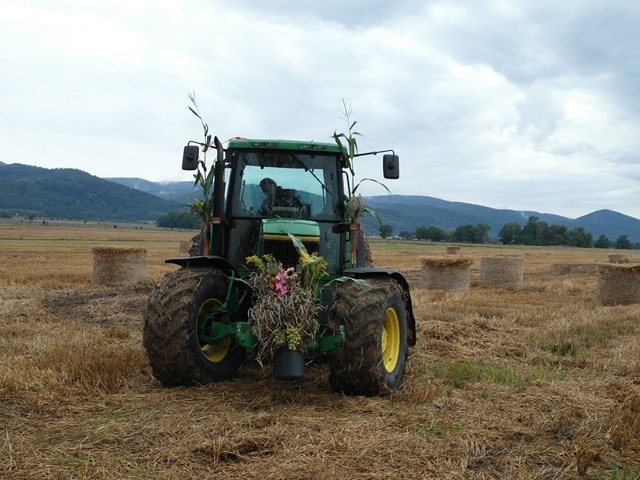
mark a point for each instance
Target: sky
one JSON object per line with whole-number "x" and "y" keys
{"x": 527, "y": 105}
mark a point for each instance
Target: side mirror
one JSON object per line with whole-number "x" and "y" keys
{"x": 391, "y": 166}
{"x": 190, "y": 156}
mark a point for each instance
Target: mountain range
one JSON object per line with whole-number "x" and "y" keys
{"x": 74, "y": 194}
{"x": 402, "y": 213}
{"x": 407, "y": 212}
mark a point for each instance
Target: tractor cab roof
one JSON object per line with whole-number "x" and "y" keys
{"x": 295, "y": 145}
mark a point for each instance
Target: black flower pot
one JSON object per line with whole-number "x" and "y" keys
{"x": 288, "y": 364}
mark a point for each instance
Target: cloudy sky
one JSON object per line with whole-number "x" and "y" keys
{"x": 527, "y": 104}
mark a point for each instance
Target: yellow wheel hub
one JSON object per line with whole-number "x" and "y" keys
{"x": 390, "y": 340}
{"x": 215, "y": 352}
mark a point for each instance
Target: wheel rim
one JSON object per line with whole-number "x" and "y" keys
{"x": 217, "y": 351}
{"x": 390, "y": 340}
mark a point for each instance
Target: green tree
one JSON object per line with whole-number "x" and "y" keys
{"x": 405, "y": 235}
{"x": 557, "y": 235}
{"x": 471, "y": 233}
{"x": 536, "y": 232}
{"x": 385, "y": 230}
{"x": 481, "y": 234}
{"x": 510, "y": 233}
{"x": 543, "y": 233}
{"x": 529, "y": 231}
{"x": 464, "y": 233}
{"x": 435, "y": 234}
{"x": 602, "y": 242}
{"x": 578, "y": 237}
{"x": 623, "y": 242}
{"x": 186, "y": 220}
{"x": 421, "y": 233}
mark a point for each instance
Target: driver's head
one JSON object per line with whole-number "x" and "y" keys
{"x": 268, "y": 187}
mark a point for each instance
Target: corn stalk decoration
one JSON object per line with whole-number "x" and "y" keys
{"x": 354, "y": 203}
{"x": 203, "y": 177}
{"x": 348, "y": 144}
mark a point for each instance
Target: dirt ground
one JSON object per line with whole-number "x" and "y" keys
{"x": 531, "y": 381}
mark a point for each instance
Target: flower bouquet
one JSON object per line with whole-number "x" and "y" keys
{"x": 284, "y": 312}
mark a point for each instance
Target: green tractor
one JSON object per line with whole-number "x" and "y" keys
{"x": 197, "y": 328}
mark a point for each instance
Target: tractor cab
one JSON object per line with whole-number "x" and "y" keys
{"x": 266, "y": 190}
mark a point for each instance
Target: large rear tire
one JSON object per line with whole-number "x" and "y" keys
{"x": 176, "y": 308}
{"x": 372, "y": 360}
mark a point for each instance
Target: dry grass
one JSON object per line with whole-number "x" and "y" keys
{"x": 531, "y": 381}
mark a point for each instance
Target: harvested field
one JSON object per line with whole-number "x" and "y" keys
{"x": 530, "y": 381}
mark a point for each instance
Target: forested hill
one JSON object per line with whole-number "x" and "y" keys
{"x": 74, "y": 194}
{"x": 405, "y": 213}
{"x": 408, "y": 212}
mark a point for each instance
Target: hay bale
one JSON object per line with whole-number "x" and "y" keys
{"x": 617, "y": 258}
{"x": 507, "y": 270}
{"x": 185, "y": 247}
{"x": 119, "y": 266}
{"x": 453, "y": 249}
{"x": 446, "y": 273}
{"x": 619, "y": 284}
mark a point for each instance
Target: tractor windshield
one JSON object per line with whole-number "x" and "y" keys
{"x": 274, "y": 184}
{"x": 285, "y": 184}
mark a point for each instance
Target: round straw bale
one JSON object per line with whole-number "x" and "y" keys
{"x": 185, "y": 246}
{"x": 119, "y": 266}
{"x": 507, "y": 270}
{"x": 446, "y": 273}
{"x": 619, "y": 284}
{"x": 453, "y": 249}
{"x": 617, "y": 258}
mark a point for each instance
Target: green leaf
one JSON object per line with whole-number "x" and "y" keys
{"x": 298, "y": 244}
{"x": 371, "y": 180}
{"x": 194, "y": 112}
{"x": 374, "y": 214}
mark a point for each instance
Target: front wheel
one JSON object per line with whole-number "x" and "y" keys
{"x": 178, "y": 308}
{"x": 372, "y": 360}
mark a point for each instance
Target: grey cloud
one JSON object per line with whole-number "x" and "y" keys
{"x": 477, "y": 101}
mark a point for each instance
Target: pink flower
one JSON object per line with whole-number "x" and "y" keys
{"x": 282, "y": 287}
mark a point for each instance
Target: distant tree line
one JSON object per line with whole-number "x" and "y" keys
{"x": 537, "y": 232}
{"x": 186, "y": 220}
{"x": 534, "y": 232}
{"x": 465, "y": 234}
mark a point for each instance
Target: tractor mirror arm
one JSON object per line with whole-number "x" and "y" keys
{"x": 374, "y": 153}
{"x": 390, "y": 163}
